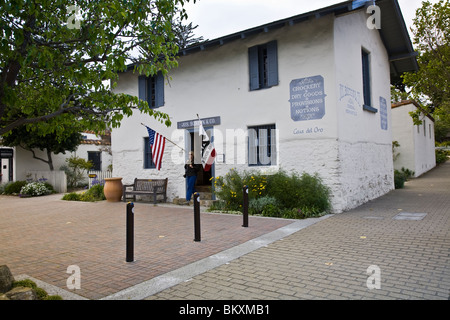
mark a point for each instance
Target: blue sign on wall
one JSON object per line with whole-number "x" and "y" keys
{"x": 307, "y": 98}
{"x": 383, "y": 114}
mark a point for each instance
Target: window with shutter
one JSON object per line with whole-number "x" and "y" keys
{"x": 262, "y": 145}
{"x": 263, "y": 66}
{"x": 151, "y": 89}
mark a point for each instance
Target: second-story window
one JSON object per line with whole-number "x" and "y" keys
{"x": 151, "y": 89}
{"x": 263, "y": 64}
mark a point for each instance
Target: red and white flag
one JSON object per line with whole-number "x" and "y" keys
{"x": 208, "y": 157}
{"x": 209, "y": 154}
{"x": 157, "y": 143}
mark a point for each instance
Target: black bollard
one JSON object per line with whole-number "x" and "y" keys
{"x": 245, "y": 206}
{"x": 197, "y": 236}
{"x": 130, "y": 232}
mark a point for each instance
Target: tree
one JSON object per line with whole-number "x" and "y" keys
{"x": 184, "y": 34}
{"x": 50, "y": 144}
{"x": 60, "y": 59}
{"x": 75, "y": 170}
{"x": 430, "y": 85}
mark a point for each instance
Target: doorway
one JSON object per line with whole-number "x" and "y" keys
{"x": 6, "y": 165}
{"x": 198, "y": 146}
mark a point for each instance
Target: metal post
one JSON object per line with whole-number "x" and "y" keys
{"x": 197, "y": 217}
{"x": 130, "y": 232}
{"x": 245, "y": 206}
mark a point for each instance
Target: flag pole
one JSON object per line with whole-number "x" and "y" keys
{"x": 168, "y": 139}
{"x": 201, "y": 128}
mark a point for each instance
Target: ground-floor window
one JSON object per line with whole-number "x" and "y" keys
{"x": 96, "y": 158}
{"x": 148, "y": 159}
{"x": 262, "y": 145}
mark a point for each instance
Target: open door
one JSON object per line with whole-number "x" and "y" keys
{"x": 198, "y": 147}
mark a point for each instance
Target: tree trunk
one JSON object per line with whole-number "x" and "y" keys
{"x": 50, "y": 160}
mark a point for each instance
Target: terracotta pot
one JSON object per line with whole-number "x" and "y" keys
{"x": 113, "y": 189}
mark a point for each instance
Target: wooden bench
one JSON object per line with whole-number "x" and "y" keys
{"x": 143, "y": 187}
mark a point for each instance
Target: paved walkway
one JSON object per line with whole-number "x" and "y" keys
{"x": 388, "y": 245}
{"x": 402, "y": 238}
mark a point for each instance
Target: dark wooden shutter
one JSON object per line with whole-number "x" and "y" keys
{"x": 142, "y": 94}
{"x": 159, "y": 87}
{"x": 253, "y": 68}
{"x": 272, "y": 64}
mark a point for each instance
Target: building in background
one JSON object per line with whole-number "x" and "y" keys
{"x": 416, "y": 150}
{"x": 17, "y": 163}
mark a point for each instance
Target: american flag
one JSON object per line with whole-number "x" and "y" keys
{"x": 157, "y": 143}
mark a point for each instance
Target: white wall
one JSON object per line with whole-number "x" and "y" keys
{"x": 417, "y": 148}
{"x": 24, "y": 160}
{"x": 425, "y": 154}
{"x": 403, "y": 131}
{"x": 365, "y": 147}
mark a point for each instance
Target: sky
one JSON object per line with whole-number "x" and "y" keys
{"x": 216, "y": 18}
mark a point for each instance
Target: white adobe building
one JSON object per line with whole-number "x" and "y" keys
{"x": 417, "y": 145}
{"x": 307, "y": 93}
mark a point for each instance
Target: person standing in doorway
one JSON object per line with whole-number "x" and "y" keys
{"x": 191, "y": 171}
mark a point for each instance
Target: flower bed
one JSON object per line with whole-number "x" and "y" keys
{"x": 277, "y": 195}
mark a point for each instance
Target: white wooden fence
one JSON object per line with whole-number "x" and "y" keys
{"x": 96, "y": 177}
{"x": 57, "y": 179}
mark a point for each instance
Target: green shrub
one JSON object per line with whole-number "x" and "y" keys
{"x": 14, "y": 187}
{"x": 229, "y": 190}
{"x": 40, "y": 293}
{"x": 49, "y": 187}
{"x": 97, "y": 192}
{"x": 24, "y": 283}
{"x": 442, "y": 155}
{"x": 270, "y": 195}
{"x": 292, "y": 213}
{"x": 73, "y": 196}
{"x": 303, "y": 213}
{"x": 2, "y": 187}
{"x": 93, "y": 194}
{"x": 271, "y": 210}
{"x": 399, "y": 179}
{"x": 401, "y": 176}
{"x": 407, "y": 173}
{"x": 264, "y": 206}
{"x": 35, "y": 189}
{"x": 75, "y": 170}
{"x": 293, "y": 191}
